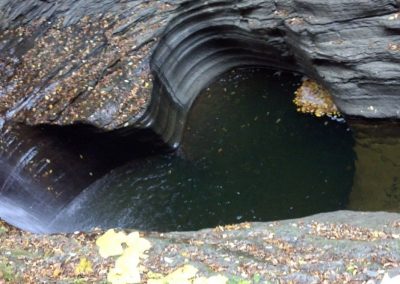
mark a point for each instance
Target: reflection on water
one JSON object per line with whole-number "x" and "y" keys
{"x": 377, "y": 175}
{"x": 247, "y": 155}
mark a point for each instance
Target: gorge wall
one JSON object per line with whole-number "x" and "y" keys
{"x": 139, "y": 65}
{"x": 134, "y": 68}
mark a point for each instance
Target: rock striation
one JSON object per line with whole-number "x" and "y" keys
{"x": 338, "y": 247}
{"x": 139, "y": 65}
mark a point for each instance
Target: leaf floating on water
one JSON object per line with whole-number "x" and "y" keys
{"x": 110, "y": 244}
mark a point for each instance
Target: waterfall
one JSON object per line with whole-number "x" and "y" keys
{"x": 23, "y": 203}
{"x": 14, "y": 176}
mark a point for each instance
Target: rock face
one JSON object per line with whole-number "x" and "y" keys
{"x": 128, "y": 65}
{"x": 376, "y": 179}
{"x": 338, "y": 247}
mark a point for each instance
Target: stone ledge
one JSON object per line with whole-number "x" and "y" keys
{"x": 337, "y": 247}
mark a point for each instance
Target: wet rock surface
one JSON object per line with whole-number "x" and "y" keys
{"x": 338, "y": 247}
{"x": 75, "y": 63}
{"x": 376, "y": 179}
{"x": 129, "y": 65}
{"x": 140, "y": 64}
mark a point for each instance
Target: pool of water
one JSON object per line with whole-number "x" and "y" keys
{"x": 247, "y": 155}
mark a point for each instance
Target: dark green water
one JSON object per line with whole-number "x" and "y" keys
{"x": 247, "y": 155}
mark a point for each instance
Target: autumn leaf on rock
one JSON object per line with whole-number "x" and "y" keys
{"x": 118, "y": 276}
{"x": 84, "y": 267}
{"x": 128, "y": 261}
{"x": 187, "y": 275}
{"x": 138, "y": 244}
{"x": 110, "y": 244}
{"x": 182, "y": 275}
{"x": 390, "y": 280}
{"x": 217, "y": 279}
{"x": 126, "y": 268}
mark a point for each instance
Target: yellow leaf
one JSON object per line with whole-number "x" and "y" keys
{"x": 134, "y": 241}
{"x": 128, "y": 261}
{"x": 57, "y": 272}
{"x": 182, "y": 274}
{"x": 116, "y": 276}
{"x": 200, "y": 280}
{"x": 390, "y": 280}
{"x": 110, "y": 243}
{"x": 126, "y": 268}
{"x": 154, "y": 275}
{"x": 217, "y": 279}
{"x": 84, "y": 267}
{"x": 157, "y": 281}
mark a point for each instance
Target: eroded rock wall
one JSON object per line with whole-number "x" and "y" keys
{"x": 96, "y": 62}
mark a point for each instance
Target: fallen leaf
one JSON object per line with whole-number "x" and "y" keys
{"x": 84, "y": 267}
{"x": 390, "y": 280}
{"x": 183, "y": 275}
{"x": 217, "y": 279}
{"x": 134, "y": 241}
{"x": 128, "y": 261}
{"x": 117, "y": 276}
{"x": 110, "y": 244}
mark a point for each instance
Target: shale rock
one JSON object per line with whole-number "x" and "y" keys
{"x": 128, "y": 65}
{"x": 338, "y": 247}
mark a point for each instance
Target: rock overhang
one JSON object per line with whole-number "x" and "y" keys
{"x": 147, "y": 61}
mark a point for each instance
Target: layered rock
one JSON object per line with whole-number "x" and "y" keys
{"x": 339, "y": 247}
{"x": 128, "y": 65}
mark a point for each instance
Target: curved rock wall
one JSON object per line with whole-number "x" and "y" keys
{"x": 345, "y": 45}
{"x": 95, "y": 62}
{"x": 203, "y": 42}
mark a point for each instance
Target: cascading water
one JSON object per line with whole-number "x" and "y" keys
{"x": 42, "y": 169}
{"x": 22, "y": 203}
{"x": 14, "y": 176}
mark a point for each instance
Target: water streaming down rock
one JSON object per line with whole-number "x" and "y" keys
{"x": 37, "y": 176}
{"x": 22, "y": 203}
{"x": 46, "y": 167}
{"x": 18, "y": 215}
{"x": 14, "y": 175}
